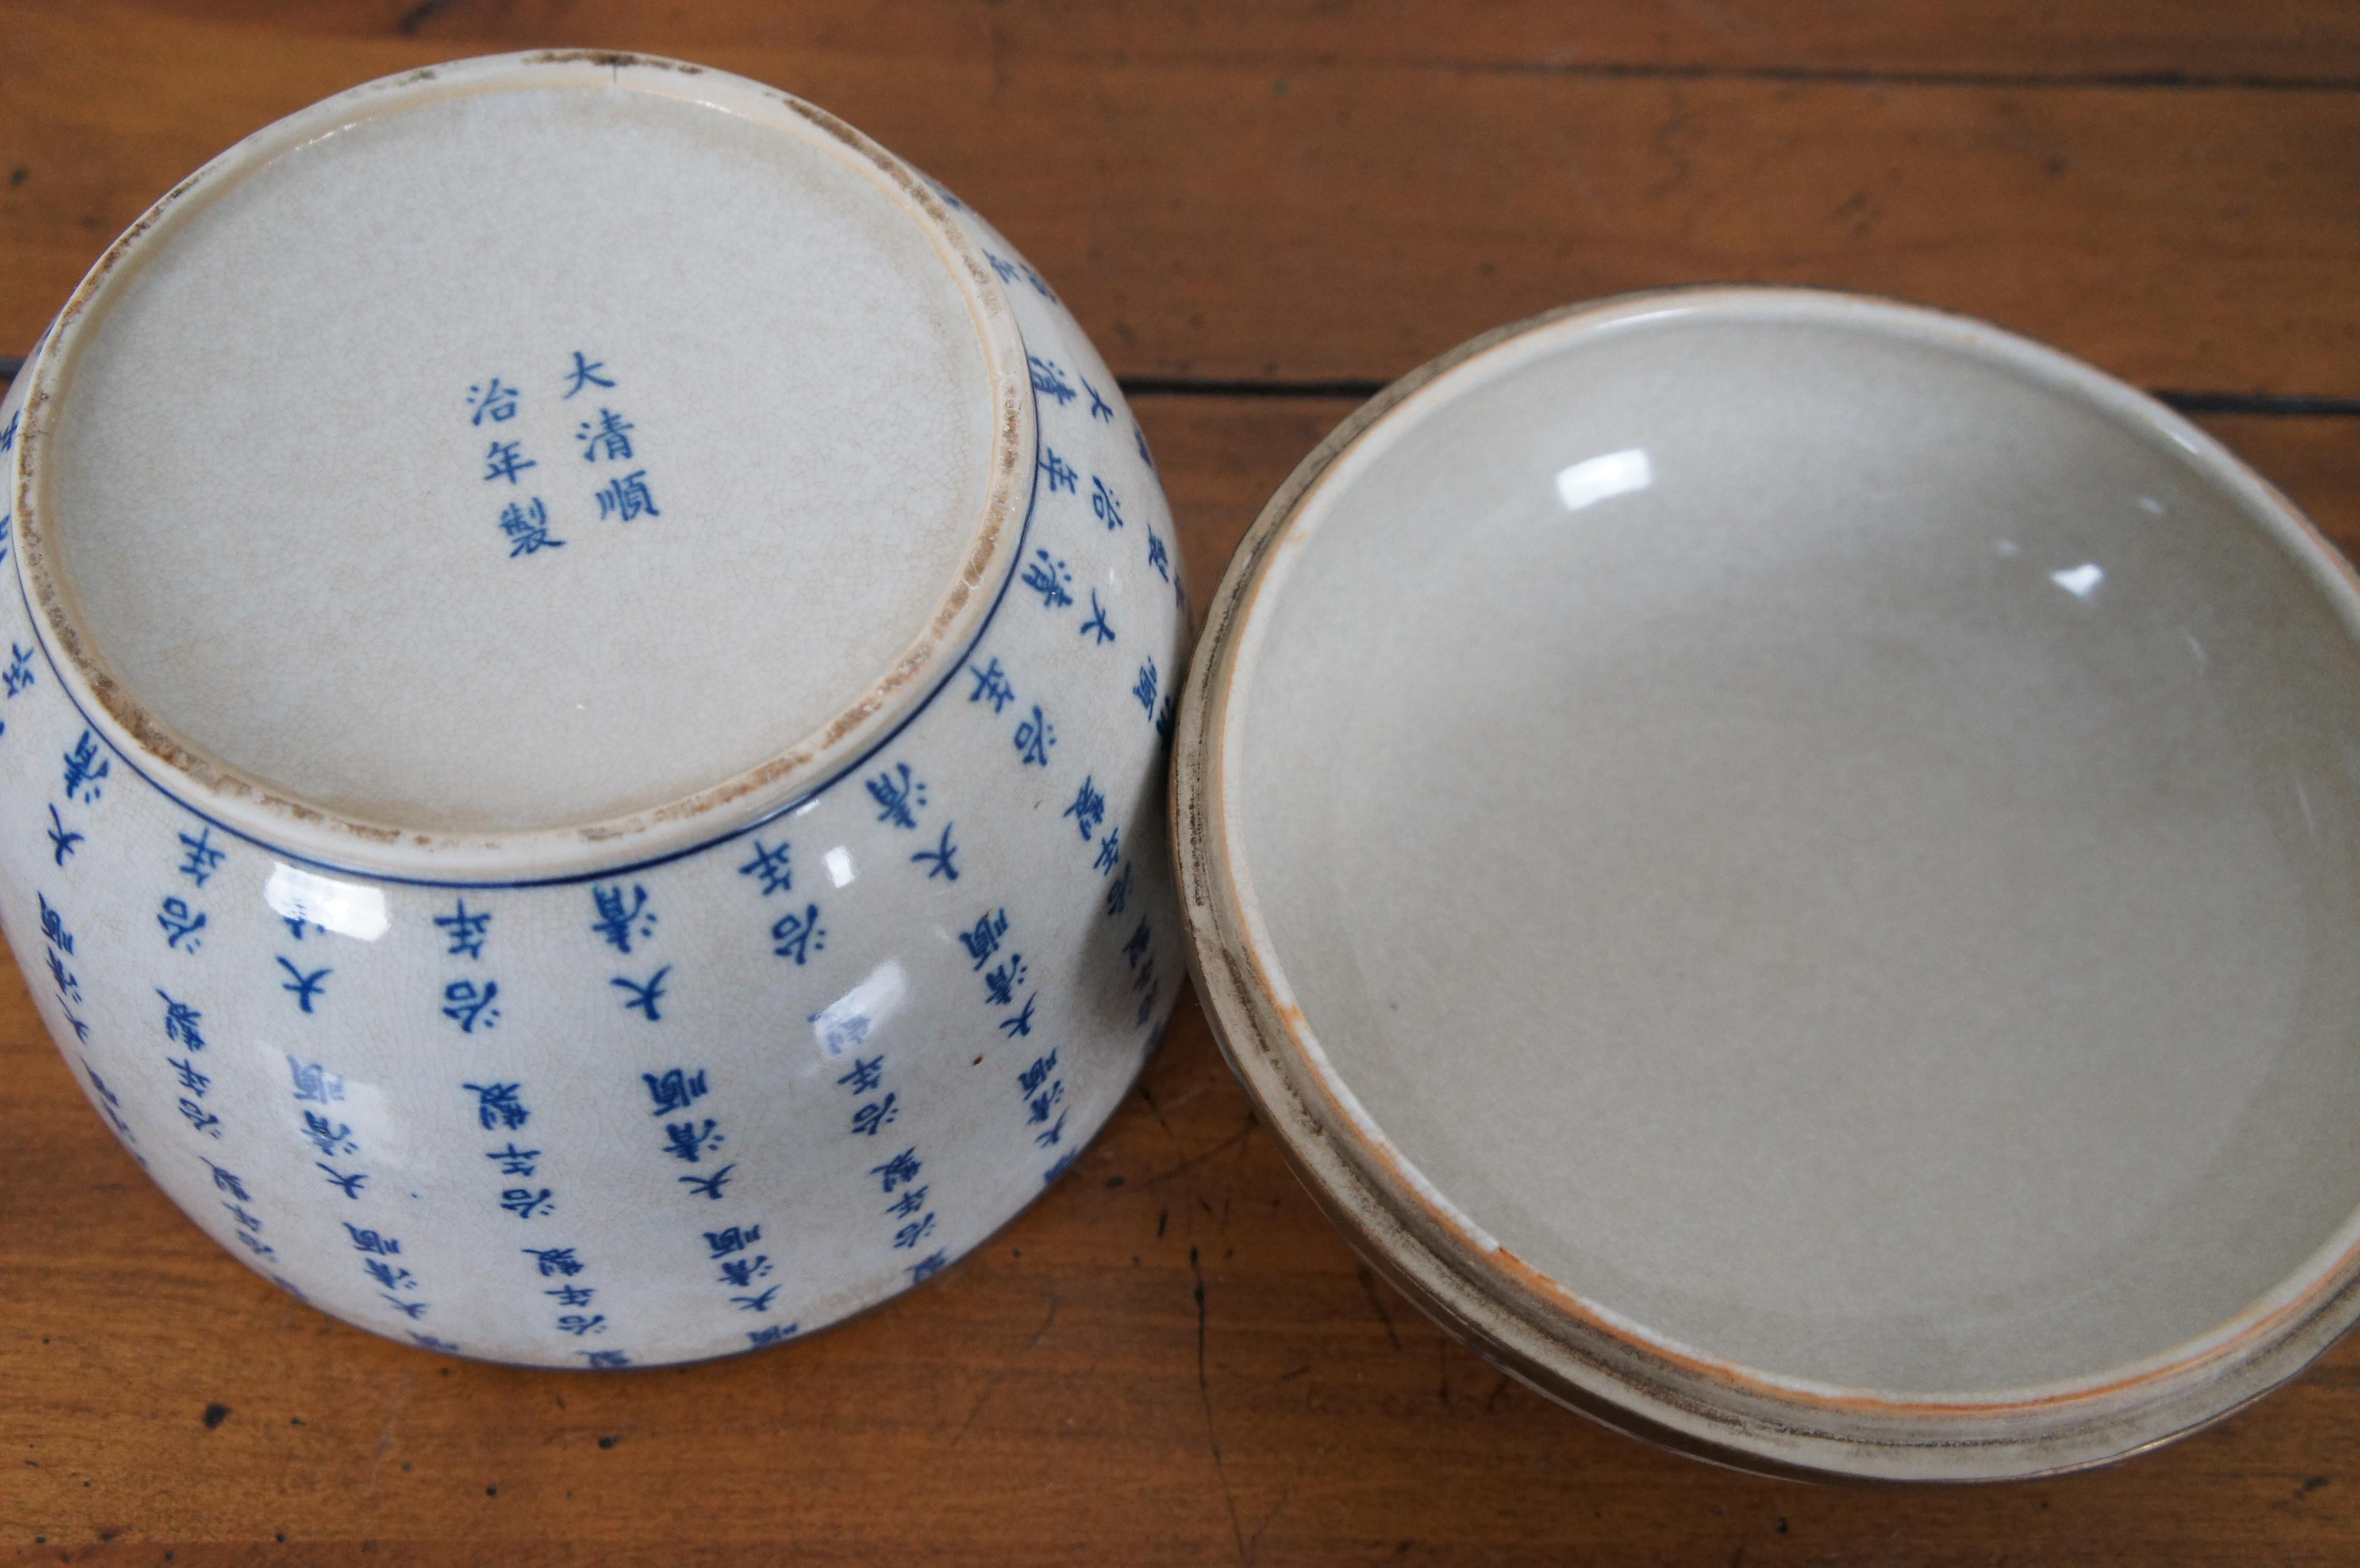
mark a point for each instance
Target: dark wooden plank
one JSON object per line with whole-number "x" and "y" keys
{"x": 1066, "y": 1394}
{"x": 1211, "y": 218}
{"x": 2240, "y": 40}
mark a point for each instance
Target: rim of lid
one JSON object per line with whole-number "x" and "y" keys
{"x": 1542, "y": 1330}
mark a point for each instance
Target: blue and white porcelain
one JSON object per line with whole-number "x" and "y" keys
{"x": 585, "y": 697}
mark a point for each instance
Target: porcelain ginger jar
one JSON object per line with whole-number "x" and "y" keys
{"x": 586, "y": 682}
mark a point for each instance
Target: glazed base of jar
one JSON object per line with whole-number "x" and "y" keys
{"x": 586, "y": 693}
{"x": 1785, "y": 864}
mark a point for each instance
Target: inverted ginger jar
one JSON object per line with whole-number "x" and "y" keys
{"x": 1788, "y": 866}
{"x": 587, "y": 679}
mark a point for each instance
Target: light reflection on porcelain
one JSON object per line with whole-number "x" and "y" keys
{"x": 676, "y": 1071}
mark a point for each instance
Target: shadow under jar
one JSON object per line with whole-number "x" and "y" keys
{"x": 584, "y": 712}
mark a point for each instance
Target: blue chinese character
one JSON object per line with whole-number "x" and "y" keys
{"x": 410, "y": 1310}
{"x": 686, "y": 1141}
{"x": 526, "y": 524}
{"x": 608, "y": 438}
{"x": 1006, "y": 269}
{"x": 191, "y": 1080}
{"x": 990, "y": 685}
{"x": 909, "y": 1203}
{"x": 571, "y": 1295}
{"x": 1061, "y": 472}
{"x": 585, "y": 374}
{"x": 258, "y": 1248}
{"x": 467, "y": 1004}
{"x": 938, "y": 860}
{"x": 514, "y": 1161}
{"x": 1034, "y": 736}
{"x": 1110, "y": 851}
{"x": 644, "y": 996}
{"x": 465, "y": 930}
{"x": 201, "y": 1119}
{"x": 390, "y": 1276}
{"x": 772, "y": 866}
{"x": 225, "y": 1181}
{"x": 709, "y": 1186}
{"x": 554, "y": 1261}
{"x": 424, "y": 1341}
{"x": 760, "y": 1303}
{"x": 926, "y": 1268}
{"x": 577, "y": 1325}
{"x": 734, "y": 1240}
{"x": 1136, "y": 948}
{"x": 1099, "y": 408}
{"x": 524, "y": 1202}
{"x": 314, "y": 1084}
{"x": 53, "y": 926}
{"x": 1105, "y": 504}
{"x": 8, "y": 436}
{"x": 496, "y": 1105}
{"x": 84, "y": 768}
{"x": 1048, "y": 378}
{"x": 504, "y": 460}
{"x": 492, "y": 401}
{"x": 1157, "y": 557}
{"x": 867, "y": 1073}
{"x": 19, "y": 675}
{"x": 1144, "y": 687}
{"x": 1048, "y": 578}
{"x": 916, "y": 1231}
{"x": 1023, "y": 1022}
{"x": 1118, "y": 892}
{"x": 1140, "y": 437}
{"x": 674, "y": 1090}
{"x": 350, "y": 1186}
{"x": 1032, "y": 1077}
{"x": 984, "y": 940}
{"x": 328, "y": 1137}
{"x": 874, "y": 1114}
{"x": 617, "y": 923}
{"x": 304, "y": 986}
{"x": 771, "y": 1336}
{"x": 897, "y": 797}
{"x": 1048, "y": 1138}
{"x": 604, "y": 1360}
{"x": 237, "y": 1211}
{"x": 796, "y": 934}
{"x": 626, "y": 498}
{"x": 1041, "y": 1103}
{"x": 1089, "y": 809}
{"x": 744, "y": 1271}
{"x": 69, "y": 989}
{"x": 901, "y": 1169}
{"x": 371, "y": 1242}
{"x": 82, "y": 1031}
{"x": 1097, "y": 625}
{"x": 61, "y": 842}
{"x": 179, "y": 924}
{"x": 1001, "y": 983}
{"x": 202, "y": 859}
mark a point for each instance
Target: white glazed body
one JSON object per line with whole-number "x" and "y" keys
{"x": 447, "y": 1109}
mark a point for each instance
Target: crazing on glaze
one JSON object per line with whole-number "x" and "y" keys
{"x": 678, "y": 1105}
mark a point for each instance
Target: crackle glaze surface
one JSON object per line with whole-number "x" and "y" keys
{"x": 703, "y": 1081}
{"x": 1830, "y": 905}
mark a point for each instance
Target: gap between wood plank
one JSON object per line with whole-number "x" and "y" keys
{"x": 2294, "y": 405}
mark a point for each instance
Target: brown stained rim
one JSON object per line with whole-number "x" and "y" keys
{"x": 304, "y": 831}
{"x": 1540, "y": 1329}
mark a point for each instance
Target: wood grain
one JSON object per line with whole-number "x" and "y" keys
{"x": 1213, "y": 216}
{"x": 1170, "y": 1358}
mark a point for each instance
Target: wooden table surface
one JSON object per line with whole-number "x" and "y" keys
{"x": 1260, "y": 213}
